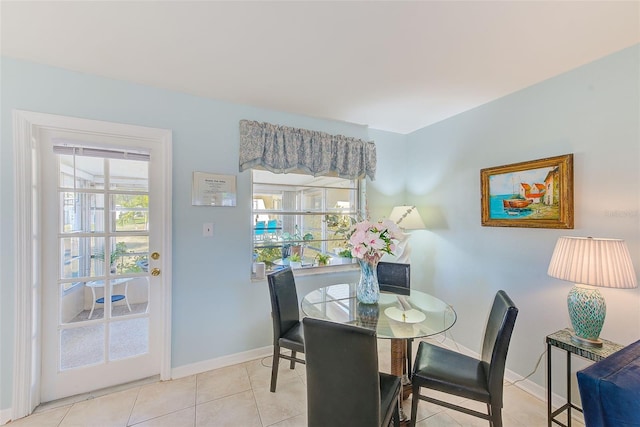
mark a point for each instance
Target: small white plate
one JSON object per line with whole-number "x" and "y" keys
{"x": 409, "y": 316}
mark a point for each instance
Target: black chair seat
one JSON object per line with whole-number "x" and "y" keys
{"x": 293, "y": 339}
{"x": 468, "y": 379}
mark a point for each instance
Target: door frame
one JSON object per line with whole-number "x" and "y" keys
{"x": 27, "y": 338}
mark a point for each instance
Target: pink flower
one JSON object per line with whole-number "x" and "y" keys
{"x": 358, "y": 237}
{"x": 374, "y": 241}
{"x": 358, "y": 251}
{"x": 370, "y": 240}
{"x": 393, "y": 229}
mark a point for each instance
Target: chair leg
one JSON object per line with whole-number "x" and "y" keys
{"x": 409, "y": 358}
{"x": 293, "y": 362}
{"x": 274, "y": 367}
{"x": 496, "y": 415}
{"x": 415, "y": 393}
{"x": 396, "y": 413}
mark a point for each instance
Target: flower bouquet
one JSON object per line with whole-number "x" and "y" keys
{"x": 369, "y": 241}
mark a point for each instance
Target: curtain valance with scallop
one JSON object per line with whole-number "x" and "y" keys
{"x": 282, "y": 149}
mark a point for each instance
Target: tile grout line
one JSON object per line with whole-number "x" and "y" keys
{"x": 253, "y": 394}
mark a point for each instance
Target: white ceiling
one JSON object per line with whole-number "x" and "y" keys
{"x": 391, "y": 65}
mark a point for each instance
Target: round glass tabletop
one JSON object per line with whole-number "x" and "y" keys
{"x": 414, "y": 315}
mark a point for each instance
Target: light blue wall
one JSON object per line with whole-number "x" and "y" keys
{"x": 388, "y": 190}
{"x": 217, "y": 311}
{"x": 592, "y": 112}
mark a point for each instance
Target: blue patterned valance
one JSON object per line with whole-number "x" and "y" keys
{"x": 281, "y": 149}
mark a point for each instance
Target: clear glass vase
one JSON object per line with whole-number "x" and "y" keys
{"x": 368, "y": 290}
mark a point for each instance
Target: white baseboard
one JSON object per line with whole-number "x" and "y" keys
{"x": 5, "y": 416}
{"x": 220, "y": 362}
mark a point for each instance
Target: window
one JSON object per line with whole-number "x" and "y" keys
{"x": 301, "y": 220}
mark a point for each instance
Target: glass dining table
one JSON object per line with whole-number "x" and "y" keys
{"x": 398, "y": 316}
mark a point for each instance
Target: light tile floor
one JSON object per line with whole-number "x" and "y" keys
{"x": 238, "y": 396}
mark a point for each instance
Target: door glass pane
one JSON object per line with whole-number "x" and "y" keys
{"x": 130, "y": 295}
{"x": 79, "y": 257}
{"x": 130, "y": 253}
{"x": 89, "y": 172}
{"x": 130, "y": 212}
{"x": 75, "y": 302}
{"x": 82, "y": 346}
{"x": 82, "y": 212}
{"x": 128, "y": 338}
{"x": 128, "y": 175}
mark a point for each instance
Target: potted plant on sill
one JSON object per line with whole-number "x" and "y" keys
{"x": 323, "y": 259}
{"x": 344, "y": 256}
{"x": 294, "y": 244}
{"x": 295, "y": 261}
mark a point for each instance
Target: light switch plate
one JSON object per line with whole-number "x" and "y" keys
{"x": 207, "y": 229}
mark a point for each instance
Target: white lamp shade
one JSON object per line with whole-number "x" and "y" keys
{"x": 589, "y": 261}
{"x": 407, "y": 217}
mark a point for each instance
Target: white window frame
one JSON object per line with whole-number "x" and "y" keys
{"x": 296, "y": 215}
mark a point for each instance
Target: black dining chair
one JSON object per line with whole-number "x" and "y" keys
{"x": 454, "y": 373}
{"x": 396, "y": 277}
{"x": 344, "y": 386}
{"x": 287, "y": 329}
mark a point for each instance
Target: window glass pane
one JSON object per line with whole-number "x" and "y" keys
{"x": 89, "y": 172}
{"x": 341, "y": 201}
{"x": 129, "y": 254}
{"x": 312, "y": 199}
{"x": 128, "y": 175}
{"x": 130, "y": 212}
{"x": 82, "y": 212}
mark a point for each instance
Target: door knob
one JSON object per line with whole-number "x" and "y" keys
{"x": 155, "y": 255}
{"x": 155, "y": 272}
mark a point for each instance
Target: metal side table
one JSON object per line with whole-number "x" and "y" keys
{"x": 562, "y": 340}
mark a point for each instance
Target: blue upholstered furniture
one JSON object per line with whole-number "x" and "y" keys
{"x": 610, "y": 389}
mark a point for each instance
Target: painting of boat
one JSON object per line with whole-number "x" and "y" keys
{"x": 537, "y": 194}
{"x": 516, "y": 203}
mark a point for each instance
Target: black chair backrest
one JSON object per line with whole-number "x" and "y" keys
{"x": 392, "y": 276}
{"x": 343, "y": 382}
{"x": 497, "y": 336}
{"x": 284, "y": 301}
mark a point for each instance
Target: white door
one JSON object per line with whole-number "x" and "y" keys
{"x": 102, "y": 279}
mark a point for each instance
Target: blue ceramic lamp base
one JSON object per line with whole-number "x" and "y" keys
{"x": 587, "y": 310}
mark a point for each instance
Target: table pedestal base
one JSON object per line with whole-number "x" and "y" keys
{"x": 398, "y": 368}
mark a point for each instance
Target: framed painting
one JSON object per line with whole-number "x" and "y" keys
{"x": 534, "y": 194}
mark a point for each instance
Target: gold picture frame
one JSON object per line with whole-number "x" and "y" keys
{"x": 533, "y": 194}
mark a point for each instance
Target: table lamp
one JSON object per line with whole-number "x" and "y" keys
{"x": 407, "y": 218}
{"x": 590, "y": 263}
